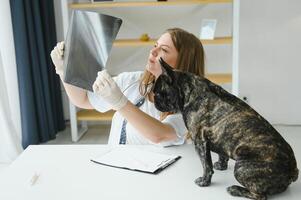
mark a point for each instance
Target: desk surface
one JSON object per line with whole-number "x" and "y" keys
{"x": 66, "y": 172}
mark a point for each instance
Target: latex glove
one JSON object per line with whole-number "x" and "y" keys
{"x": 106, "y": 87}
{"x": 57, "y": 56}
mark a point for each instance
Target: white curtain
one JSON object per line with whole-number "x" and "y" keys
{"x": 10, "y": 144}
{"x": 10, "y": 119}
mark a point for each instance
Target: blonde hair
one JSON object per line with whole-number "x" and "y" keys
{"x": 190, "y": 59}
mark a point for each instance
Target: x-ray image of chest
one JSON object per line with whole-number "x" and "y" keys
{"x": 87, "y": 47}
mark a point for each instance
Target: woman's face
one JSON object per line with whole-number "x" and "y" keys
{"x": 164, "y": 48}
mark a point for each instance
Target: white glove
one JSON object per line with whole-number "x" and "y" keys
{"x": 106, "y": 87}
{"x": 57, "y": 56}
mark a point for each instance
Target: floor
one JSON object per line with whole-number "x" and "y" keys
{"x": 96, "y": 134}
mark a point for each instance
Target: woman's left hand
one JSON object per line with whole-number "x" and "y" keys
{"x": 106, "y": 88}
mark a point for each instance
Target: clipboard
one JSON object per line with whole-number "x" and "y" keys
{"x": 135, "y": 159}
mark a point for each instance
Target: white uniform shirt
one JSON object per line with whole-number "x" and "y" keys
{"x": 128, "y": 83}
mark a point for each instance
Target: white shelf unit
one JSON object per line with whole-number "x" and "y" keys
{"x": 78, "y": 119}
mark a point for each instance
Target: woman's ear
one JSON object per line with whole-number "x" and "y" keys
{"x": 166, "y": 68}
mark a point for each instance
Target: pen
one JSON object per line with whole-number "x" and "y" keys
{"x": 34, "y": 178}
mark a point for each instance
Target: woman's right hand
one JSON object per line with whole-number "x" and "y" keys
{"x": 57, "y": 56}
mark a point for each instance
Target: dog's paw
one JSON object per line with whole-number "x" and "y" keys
{"x": 220, "y": 165}
{"x": 202, "y": 182}
{"x": 239, "y": 191}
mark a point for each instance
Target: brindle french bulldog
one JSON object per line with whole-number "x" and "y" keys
{"x": 220, "y": 122}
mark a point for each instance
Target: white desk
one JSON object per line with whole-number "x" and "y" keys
{"x": 67, "y": 173}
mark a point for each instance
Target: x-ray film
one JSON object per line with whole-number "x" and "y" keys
{"x": 87, "y": 47}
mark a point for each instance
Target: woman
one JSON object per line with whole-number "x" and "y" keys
{"x": 137, "y": 121}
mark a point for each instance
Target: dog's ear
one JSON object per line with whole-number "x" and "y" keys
{"x": 166, "y": 68}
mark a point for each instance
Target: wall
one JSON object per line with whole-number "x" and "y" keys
{"x": 61, "y": 11}
{"x": 269, "y": 61}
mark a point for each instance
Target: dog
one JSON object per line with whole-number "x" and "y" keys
{"x": 222, "y": 123}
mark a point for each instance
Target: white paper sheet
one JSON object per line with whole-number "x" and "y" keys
{"x": 134, "y": 158}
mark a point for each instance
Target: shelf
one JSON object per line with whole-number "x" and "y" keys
{"x": 137, "y": 42}
{"x": 93, "y": 115}
{"x": 143, "y": 4}
{"x": 219, "y": 78}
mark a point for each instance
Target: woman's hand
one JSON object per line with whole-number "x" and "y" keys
{"x": 106, "y": 88}
{"x": 76, "y": 95}
{"x": 57, "y": 56}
